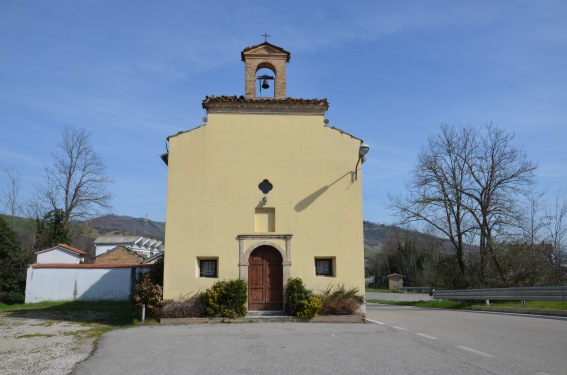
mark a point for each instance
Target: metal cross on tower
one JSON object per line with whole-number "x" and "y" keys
{"x": 266, "y": 36}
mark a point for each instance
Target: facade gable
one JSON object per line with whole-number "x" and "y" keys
{"x": 265, "y": 179}
{"x": 120, "y": 255}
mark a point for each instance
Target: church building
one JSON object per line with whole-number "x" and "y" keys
{"x": 265, "y": 190}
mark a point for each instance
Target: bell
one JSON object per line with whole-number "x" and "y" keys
{"x": 265, "y": 84}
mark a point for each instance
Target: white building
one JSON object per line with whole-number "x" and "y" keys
{"x": 143, "y": 245}
{"x": 61, "y": 254}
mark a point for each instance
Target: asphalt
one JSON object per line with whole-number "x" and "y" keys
{"x": 396, "y": 340}
{"x": 276, "y": 348}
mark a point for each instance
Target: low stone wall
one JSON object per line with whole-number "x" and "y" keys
{"x": 268, "y": 319}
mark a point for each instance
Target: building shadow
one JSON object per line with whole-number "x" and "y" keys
{"x": 308, "y": 200}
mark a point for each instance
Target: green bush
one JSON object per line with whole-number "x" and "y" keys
{"x": 310, "y": 307}
{"x": 294, "y": 292}
{"x": 149, "y": 294}
{"x": 300, "y": 301}
{"x": 226, "y": 299}
{"x": 340, "y": 301}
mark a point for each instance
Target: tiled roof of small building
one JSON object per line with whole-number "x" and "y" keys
{"x": 148, "y": 243}
{"x": 122, "y": 248}
{"x": 153, "y": 257}
{"x": 66, "y": 247}
{"x": 71, "y": 248}
{"x": 394, "y": 275}
{"x": 120, "y": 254}
{"x": 116, "y": 239}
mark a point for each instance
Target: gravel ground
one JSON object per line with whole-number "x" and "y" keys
{"x": 38, "y": 344}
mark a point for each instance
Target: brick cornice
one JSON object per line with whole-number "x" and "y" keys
{"x": 234, "y": 104}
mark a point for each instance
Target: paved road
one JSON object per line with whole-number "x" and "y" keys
{"x": 404, "y": 341}
{"x": 524, "y": 344}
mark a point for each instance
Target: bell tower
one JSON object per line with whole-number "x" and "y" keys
{"x": 267, "y": 56}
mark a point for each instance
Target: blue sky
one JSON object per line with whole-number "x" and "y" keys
{"x": 135, "y": 72}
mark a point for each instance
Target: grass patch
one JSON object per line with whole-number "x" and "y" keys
{"x": 384, "y": 290}
{"x": 113, "y": 314}
{"x": 444, "y": 304}
{"x": 34, "y": 335}
{"x": 98, "y": 317}
{"x": 546, "y": 305}
{"x": 466, "y": 305}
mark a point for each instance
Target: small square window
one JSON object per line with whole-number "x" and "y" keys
{"x": 208, "y": 268}
{"x": 324, "y": 267}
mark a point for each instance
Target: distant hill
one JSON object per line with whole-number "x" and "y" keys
{"x": 108, "y": 224}
{"x": 374, "y": 234}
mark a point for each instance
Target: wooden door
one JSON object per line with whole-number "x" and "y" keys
{"x": 265, "y": 280}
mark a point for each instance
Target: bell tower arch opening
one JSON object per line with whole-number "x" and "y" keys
{"x": 265, "y": 67}
{"x": 265, "y": 80}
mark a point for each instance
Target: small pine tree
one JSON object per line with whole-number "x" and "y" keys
{"x": 13, "y": 265}
{"x": 51, "y": 230}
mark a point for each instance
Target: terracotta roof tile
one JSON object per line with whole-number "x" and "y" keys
{"x": 395, "y": 274}
{"x": 242, "y": 99}
{"x": 64, "y": 246}
{"x": 71, "y": 248}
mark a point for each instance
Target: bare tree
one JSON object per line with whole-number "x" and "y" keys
{"x": 76, "y": 182}
{"x": 10, "y": 198}
{"x": 557, "y": 232}
{"x": 533, "y": 218}
{"x": 533, "y": 221}
{"x": 465, "y": 184}
{"x": 499, "y": 171}
{"x": 436, "y": 190}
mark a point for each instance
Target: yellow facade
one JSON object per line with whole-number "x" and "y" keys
{"x": 214, "y": 203}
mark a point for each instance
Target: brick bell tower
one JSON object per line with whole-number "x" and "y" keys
{"x": 267, "y": 56}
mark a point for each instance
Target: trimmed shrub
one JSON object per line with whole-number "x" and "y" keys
{"x": 226, "y": 299}
{"x": 149, "y": 294}
{"x": 310, "y": 307}
{"x": 300, "y": 301}
{"x": 340, "y": 301}
{"x": 189, "y": 307}
{"x": 294, "y": 292}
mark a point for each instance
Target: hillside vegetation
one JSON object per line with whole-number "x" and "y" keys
{"x": 129, "y": 225}
{"x": 84, "y": 233}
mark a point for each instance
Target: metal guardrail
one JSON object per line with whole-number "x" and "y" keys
{"x": 552, "y": 293}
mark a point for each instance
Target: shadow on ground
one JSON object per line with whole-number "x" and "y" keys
{"x": 108, "y": 313}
